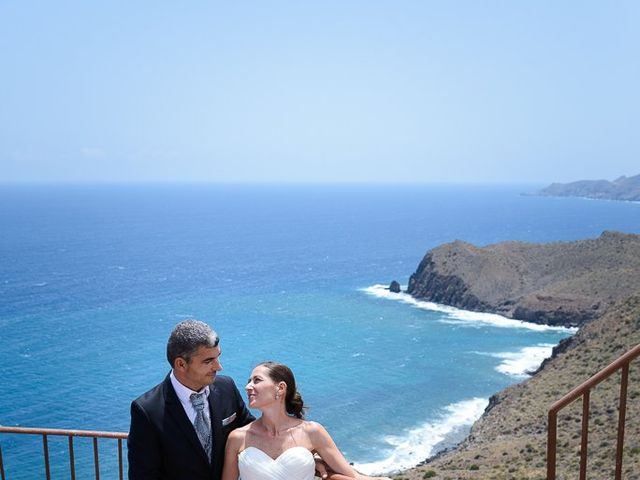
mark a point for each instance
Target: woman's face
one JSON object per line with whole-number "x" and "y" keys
{"x": 261, "y": 389}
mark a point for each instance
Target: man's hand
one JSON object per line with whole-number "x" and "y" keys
{"x": 325, "y": 473}
{"x": 322, "y": 470}
{"x": 359, "y": 476}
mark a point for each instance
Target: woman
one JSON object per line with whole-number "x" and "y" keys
{"x": 280, "y": 444}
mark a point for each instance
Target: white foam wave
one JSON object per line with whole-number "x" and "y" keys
{"x": 461, "y": 317}
{"x": 418, "y": 444}
{"x": 523, "y": 362}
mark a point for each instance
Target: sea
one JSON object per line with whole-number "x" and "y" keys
{"x": 94, "y": 277}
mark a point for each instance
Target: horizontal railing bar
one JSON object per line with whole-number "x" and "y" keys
{"x": 596, "y": 379}
{"x": 63, "y": 432}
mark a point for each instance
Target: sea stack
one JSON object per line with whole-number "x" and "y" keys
{"x": 394, "y": 287}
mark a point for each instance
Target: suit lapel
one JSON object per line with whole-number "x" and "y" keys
{"x": 176, "y": 410}
{"x": 216, "y": 423}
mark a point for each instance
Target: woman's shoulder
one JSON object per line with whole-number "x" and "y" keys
{"x": 313, "y": 428}
{"x": 312, "y": 424}
{"x": 240, "y": 433}
{"x": 317, "y": 435}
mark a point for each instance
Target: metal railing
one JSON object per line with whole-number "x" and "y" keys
{"x": 584, "y": 391}
{"x": 46, "y": 432}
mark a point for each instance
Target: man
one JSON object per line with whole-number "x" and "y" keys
{"x": 179, "y": 428}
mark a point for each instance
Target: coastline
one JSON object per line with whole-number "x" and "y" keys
{"x": 460, "y": 315}
{"x": 422, "y": 444}
{"x": 412, "y": 448}
{"x": 509, "y": 439}
{"x": 592, "y": 284}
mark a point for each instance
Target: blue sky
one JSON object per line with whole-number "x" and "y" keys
{"x": 325, "y": 91}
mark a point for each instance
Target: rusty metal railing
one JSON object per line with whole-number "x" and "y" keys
{"x": 46, "y": 432}
{"x": 584, "y": 391}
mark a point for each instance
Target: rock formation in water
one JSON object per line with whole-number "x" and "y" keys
{"x": 394, "y": 287}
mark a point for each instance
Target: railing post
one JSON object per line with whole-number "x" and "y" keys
{"x": 46, "y": 432}
{"x": 584, "y": 442}
{"x": 583, "y": 390}
{"x": 120, "y": 464}
{"x": 45, "y": 445}
{"x": 551, "y": 444}
{"x": 72, "y": 459}
{"x": 96, "y": 461}
{"x": 1, "y": 464}
{"x": 621, "y": 419}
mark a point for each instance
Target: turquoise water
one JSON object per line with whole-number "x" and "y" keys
{"x": 94, "y": 278}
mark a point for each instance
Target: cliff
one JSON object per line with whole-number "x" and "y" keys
{"x": 623, "y": 188}
{"x": 509, "y": 441}
{"x": 597, "y": 284}
{"x": 561, "y": 283}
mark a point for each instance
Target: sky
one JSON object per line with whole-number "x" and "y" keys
{"x": 319, "y": 91}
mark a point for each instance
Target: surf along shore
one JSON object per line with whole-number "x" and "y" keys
{"x": 590, "y": 284}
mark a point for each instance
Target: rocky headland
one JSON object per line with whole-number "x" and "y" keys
{"x": 591, "y": 283}
{"x": 560, "y": 283}
{"x": 623, "y": 188}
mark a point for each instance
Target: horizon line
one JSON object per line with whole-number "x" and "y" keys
{"x": 203, "y": 183}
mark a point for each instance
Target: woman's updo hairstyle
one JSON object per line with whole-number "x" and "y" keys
{"x": 279, "y": 372}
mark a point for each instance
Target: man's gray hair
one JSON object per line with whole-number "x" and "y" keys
{"x": 187, "y": 337}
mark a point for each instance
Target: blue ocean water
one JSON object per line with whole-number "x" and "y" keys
{"x": 93, "y": 278}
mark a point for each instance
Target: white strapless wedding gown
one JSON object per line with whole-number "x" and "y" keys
{"x": 296, "y": 463}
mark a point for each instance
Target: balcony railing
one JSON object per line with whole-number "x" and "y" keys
{"x": 584, "y": 391}
{"x": 70, "y": 434}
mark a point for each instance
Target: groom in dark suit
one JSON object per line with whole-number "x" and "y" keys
{"x": 179, "y": 428}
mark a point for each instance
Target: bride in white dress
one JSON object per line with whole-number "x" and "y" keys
{"x": 280, "y": 445}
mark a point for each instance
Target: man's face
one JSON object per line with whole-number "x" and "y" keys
{"x": 201, "y": 370}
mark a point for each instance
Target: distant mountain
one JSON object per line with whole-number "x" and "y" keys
{"x": 623, "y": 188}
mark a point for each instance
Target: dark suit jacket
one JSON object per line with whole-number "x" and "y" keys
{"x": 164, "y": 445}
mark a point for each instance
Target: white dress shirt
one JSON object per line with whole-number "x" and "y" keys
{"x": 184, "y": 394}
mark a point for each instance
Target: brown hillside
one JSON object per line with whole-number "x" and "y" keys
{"x": 509, "y": 441}
{"x": 561, "y": 283}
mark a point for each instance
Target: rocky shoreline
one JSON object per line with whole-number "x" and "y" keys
{"x": 560, "y": 283}
{"x": 593, "y": 284}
